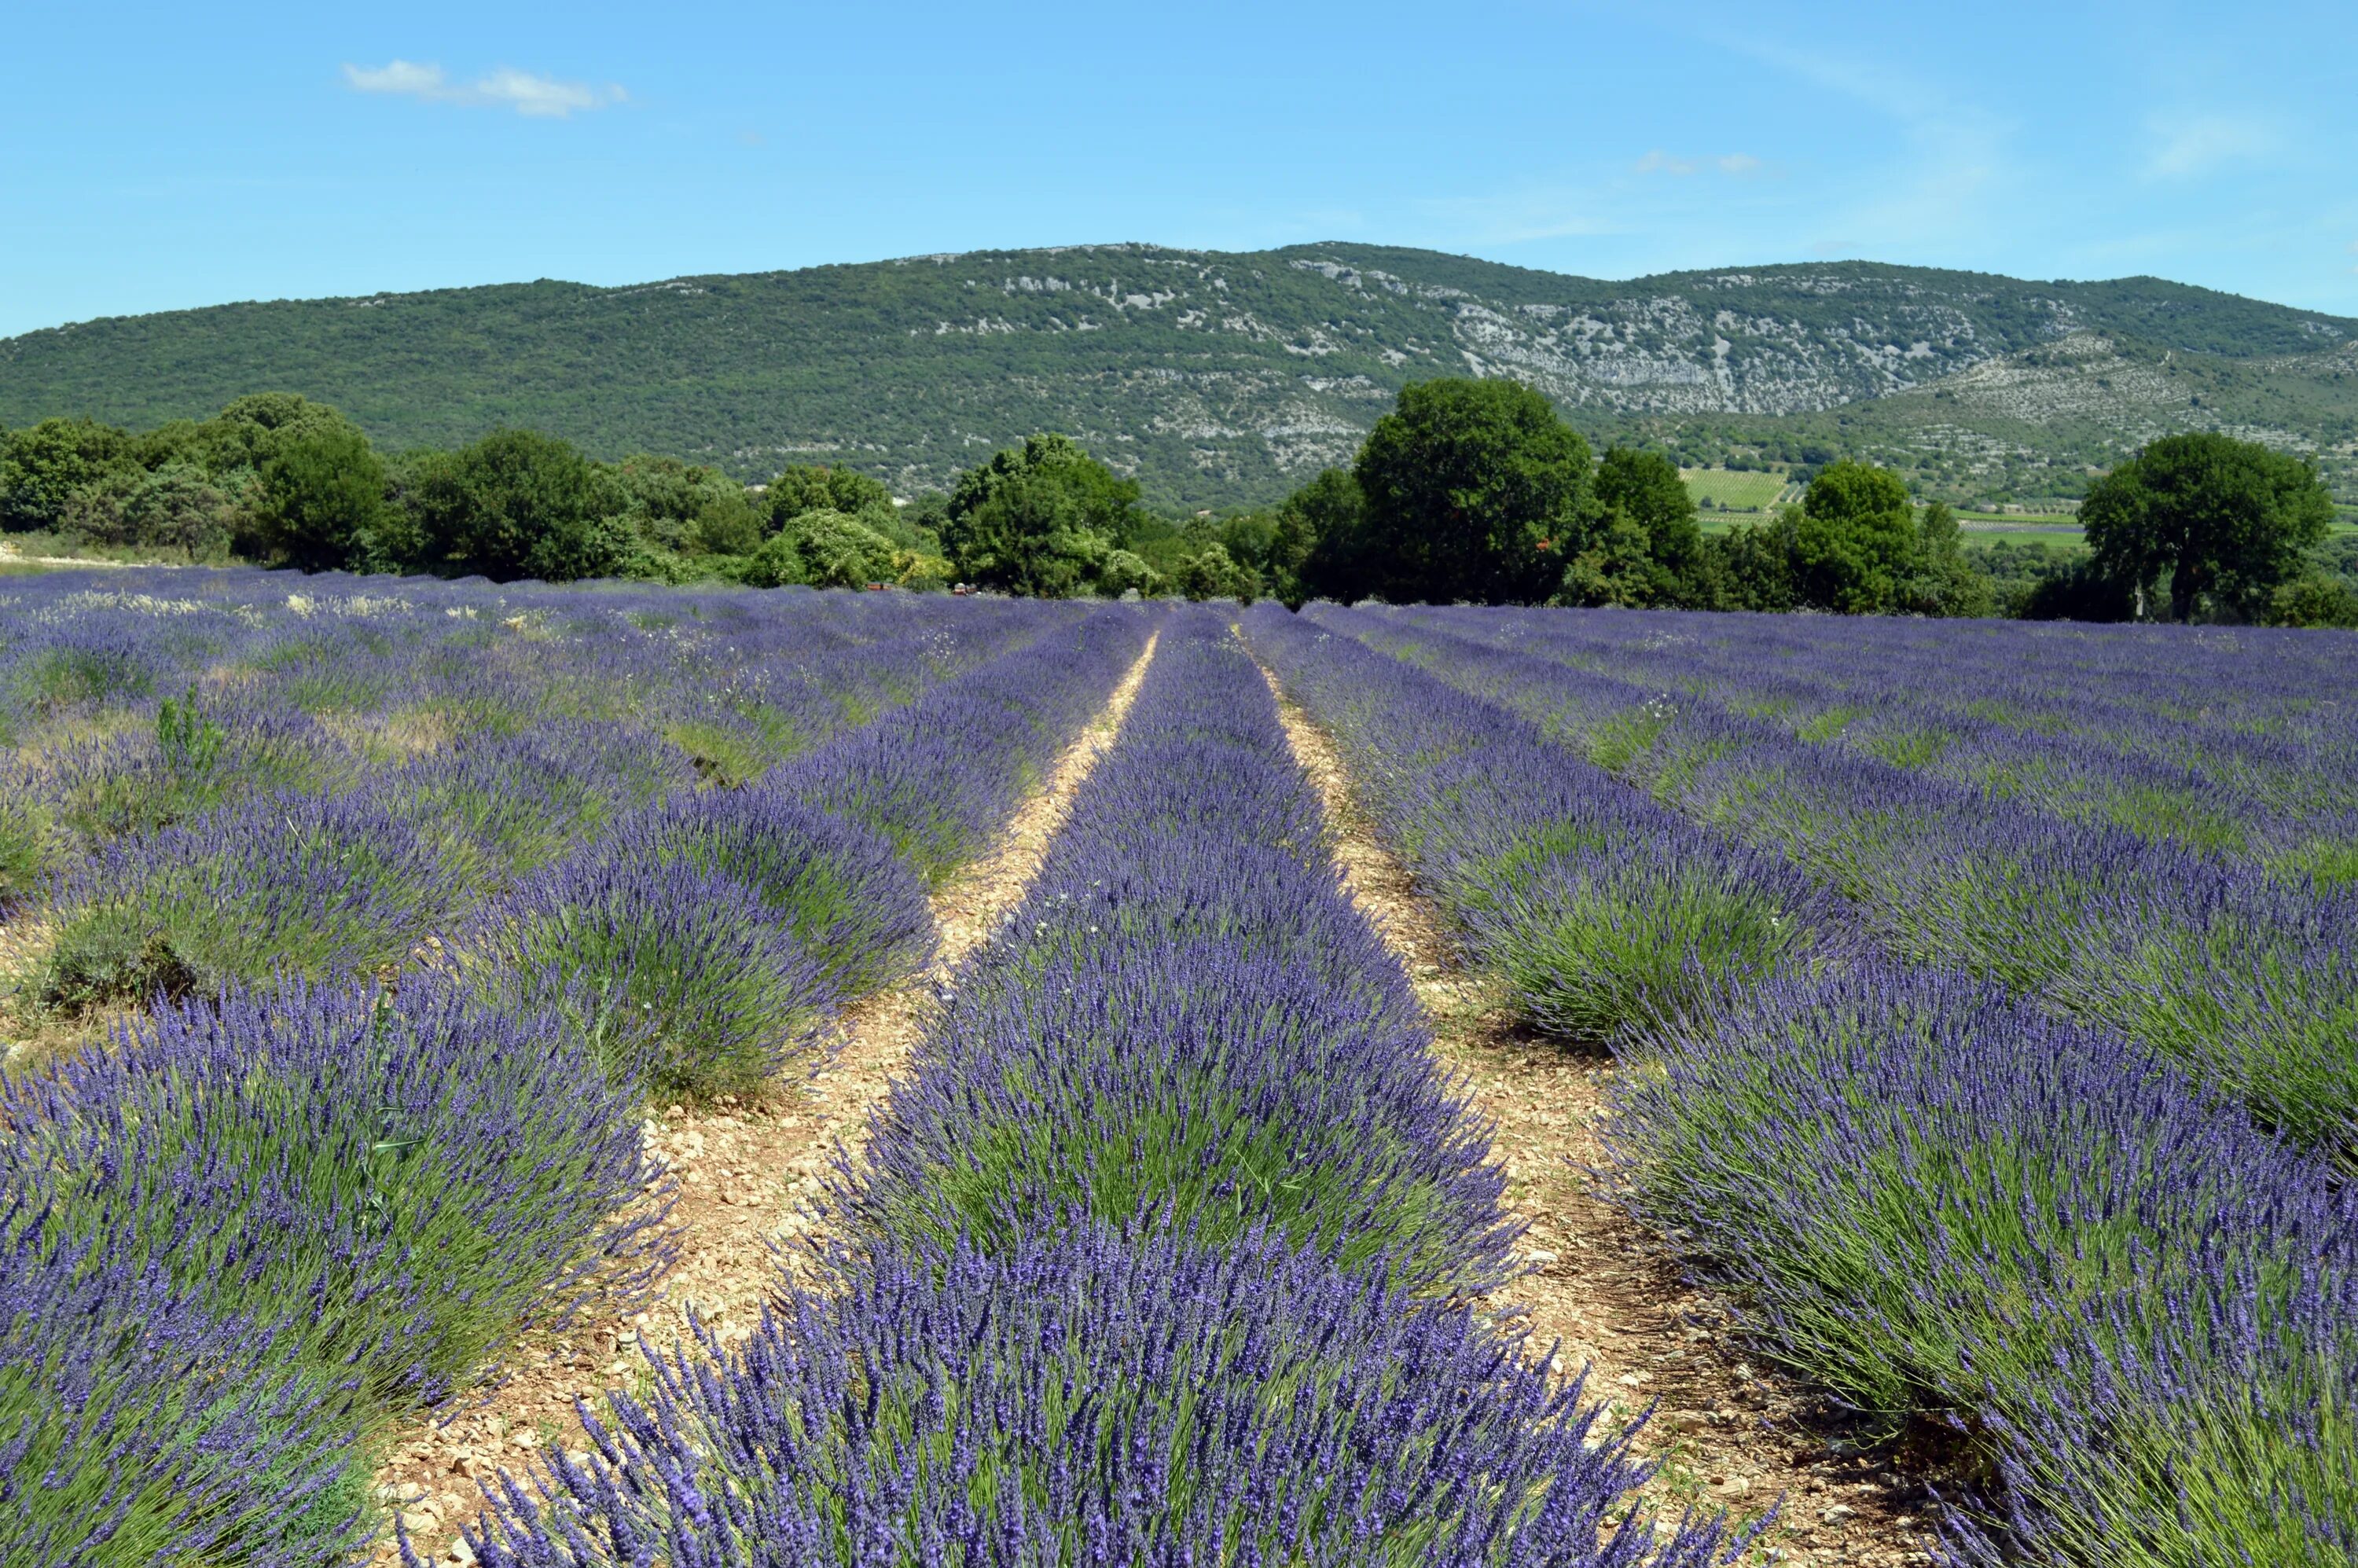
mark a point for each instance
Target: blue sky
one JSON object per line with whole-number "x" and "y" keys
{"x": 180, "y": 155}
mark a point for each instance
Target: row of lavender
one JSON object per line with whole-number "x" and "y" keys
{"x": 132, "y": 703}
{"x": 2238, "y": 743}
{"x": 271, "y": 1217}
{"x": 2247, "y": 979}
{"x": 1934, "y": 1200}
{"x": 1160, "y": 1256}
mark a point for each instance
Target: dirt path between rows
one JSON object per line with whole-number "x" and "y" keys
{"x": 747, "y": 1176}
{"x": 1727, "y": 1434}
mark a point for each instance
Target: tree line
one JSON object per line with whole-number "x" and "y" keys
{"x": 1467, "y": 491}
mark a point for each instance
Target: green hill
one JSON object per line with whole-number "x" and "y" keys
{"x": 1220, "y": 378}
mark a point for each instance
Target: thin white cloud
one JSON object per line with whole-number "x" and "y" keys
{"x": 400, "y": 76}
{"x": 1520, "y": 215}
{"x": 1936, "y": 194}
{"x": 540, "y": 97}
{"x": 2191, "y": 144}
{"x": 1735, "y": 166}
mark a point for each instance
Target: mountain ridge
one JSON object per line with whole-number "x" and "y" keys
{"x": 1226, "y": 377}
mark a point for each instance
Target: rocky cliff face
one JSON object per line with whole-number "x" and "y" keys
{"x": 1228, "y": 377}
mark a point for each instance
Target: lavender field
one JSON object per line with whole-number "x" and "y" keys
{"x": 1979, "y": 1003}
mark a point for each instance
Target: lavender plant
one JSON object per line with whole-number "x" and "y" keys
{"x": 2214, "y": 1422}
{"x": 1886, "y": 1162}
{"x": 1188, "y": 1084}
{"x": 1187, "y": 1023}
{"x": 81, "y": 664}
{"x": 835, "y": 885}
{"x": 200, "y": 753}
{"x": 28, "y": 836}
{"x": 938, "y": 777}
{"x": 2241, "y": 977}
{"x": 496, "y": 807}
{"x": 394, "y": 1185}
{"x": 137, "y": 1428}
{"x": 307, "y": 885}
{"x": 1081, "y": 1398}
{"x": 1606, "y": 914}
{"x": 687, "y": 983}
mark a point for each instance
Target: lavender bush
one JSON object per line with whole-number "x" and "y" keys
{"x": 1607, "y": 914}
{"x": 835, "y": 885}
{"x": 1887, "y": 1160}
{"x": 689, "y": 983}
{"x": 1187, "y": 1023}
{"x": 1085, "y": 1399}
{"x": 137, "y": 1428}
{"x": 308, "y": 885}
{"x": 395, "y": 1185}
{"x": 28, "y": 836}
{"x": 1941, "y": 1200}
{"x": 2249, "y": 981}
{"x": 496, "y": 807}
{"x": 940, "y": 778}
{"x": 2212, "y": 1421}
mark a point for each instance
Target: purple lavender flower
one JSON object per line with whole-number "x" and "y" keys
{"x": 137, "y": 1427}
{"x": 1187, "y": 1021}
{"x": 394, "y": 1185}
{"x": 689, "y": 982}
{"x": 1080, "y": 1397}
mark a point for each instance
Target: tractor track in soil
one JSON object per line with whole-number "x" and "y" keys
{"x": 749, "y": 1178}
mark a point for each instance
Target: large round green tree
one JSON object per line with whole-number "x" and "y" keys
{"x": 321, "y": 493}
{"x": 1045, "y": 518}
{"x": 1855, "y": 541}
{"x": 1471, "y": 490}
{"x": 2221, "y": 523}
{"x": 1648, "y": 548}
{"x": 517, "y": 503}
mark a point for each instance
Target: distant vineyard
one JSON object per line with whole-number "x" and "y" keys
{"x": 1737, "y": 489}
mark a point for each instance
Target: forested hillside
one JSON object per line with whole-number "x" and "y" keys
{"x": 1229, "y": 378}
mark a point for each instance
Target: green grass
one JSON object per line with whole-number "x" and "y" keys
{"x": 1738, "y": 489}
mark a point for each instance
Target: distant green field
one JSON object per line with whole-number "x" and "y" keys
{"x": 2040, "y": 521}
{"x": 1741, "y": 489}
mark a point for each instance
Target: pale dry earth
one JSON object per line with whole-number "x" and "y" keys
{"x": 749, "y": 1176}
{"x": 1729, "y": 1433}
{"x": 9, "y": 556}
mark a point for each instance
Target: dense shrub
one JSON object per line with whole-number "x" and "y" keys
{"x": 1186, "y": 1022}
{"x": 28, "y": 839}
{"x": 688, "y": 981}
{"x": 836, "y": 885}
{"x": 177, "y": 507}
{"x": 1930, "y": 1197}
{"x": 2213, "y": 1419}
{"x": 403, "y": 1181}
{"x": 302, "y": 884}
{"x": 200, "y": 752}
{"x": 135, "y": 1427}
{"x": 1083, "y": 1399}
{"x": 1190, "y": 1081}
{"x": 496, "y": 806}
{"x": 940, "y": 778}
{"x": 1607, "y": 914}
